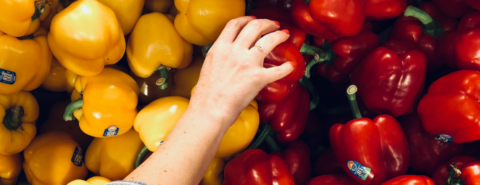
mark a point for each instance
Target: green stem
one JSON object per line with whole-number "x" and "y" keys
{"x": 205, "y": 49}
{"x": 272, "y": 144}
{"x": 26, "y": 37}
{"x": 351, "y": 91}
{"x": 310, "y": 50}
{"x": 452, "y": 178}
{"x": 315, "y": 96}
{"x": 431, "y": 26}
{"x": 266, "y": 130}
{"x": 39, "y": 8}
{"x": 162, "y": 82}
{"x": 310, "y": 65}
{"x": 68, "y": 114}
{"x": 13, "y": 118}
{"x": 140, "y": 157}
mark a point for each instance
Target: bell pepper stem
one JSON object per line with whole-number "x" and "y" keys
{"x": 315, "y": 97}
{"x": 310, "y": 50}
{"x": 141, "y": 155}
{"x": 205, "y": 49}
{"x": 311, "y": 64}
{"x": 266, "y": 130}
{"x": 272, "y": 144}
{"x": 68, "y": 114}
{"x": 162, "y": 82}
{"x": 13, "y": 117}
{"x": 452, "y": 178}
{"x": 431, "y": 26}
{"x": 39, "y": 8}
{"x": 351, "y": 93}
{"x": 26, "y": 37}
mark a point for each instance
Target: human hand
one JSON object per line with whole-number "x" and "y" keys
{"x": 233, "y": 72}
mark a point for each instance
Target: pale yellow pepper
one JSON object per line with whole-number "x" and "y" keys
{"x": 96, "y": 180}
{"x": 21, "y": 17}
{"x": 59, "y": 79}
{"x": 126, "y": 11}
{"x": 10, "y": 168}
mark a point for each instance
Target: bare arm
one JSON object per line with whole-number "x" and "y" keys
{"x": 231, "y": 77}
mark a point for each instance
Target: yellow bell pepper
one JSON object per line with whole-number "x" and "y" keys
{"x": 21, "y": 17}
{"x": 161, "y": 6}
{"x": 59, "y": 79}
{"x": 186, "y": 79}
{"x": 96, "y": 180}
{"x": 155, "y": 45}
{"x": 108, "y": 104}
{"x": 52, "y": 7}
{"x": 10, "y": 168}
{"x": 148, "y": 88}
{"x": 155, "y": 121}
{"x": 55, "y": 122}
{"x": 213, "y": 175}
{"x": 24, "y": 62}
{"x": 19, "y": 113}
{"x": 86, "y": 36}
{"x": 200, "y": 22}
{"x": 54, "y": 158}
{"x": 126, "y": 11}
{"x": 114, "y": 157}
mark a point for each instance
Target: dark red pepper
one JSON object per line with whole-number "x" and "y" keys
{"x": 254, "y": 166}
{"x": 371, "y": 152}
{"x": 297, "y": 159}
{"x": 452, "y": 8}
{"x": 450, "y": 108}
{"x": 426, "y": 153}
{"x": 384, "y": 9}
{"x": 474, "y": 4}
{"x": 284, "y": 4}
{"x": 327, "y": 163}
{"x": 337, "y": 179}
{"x": 410, "y": 180}
{"x": 445, "y": 170}
{"x": 391, "y": 78}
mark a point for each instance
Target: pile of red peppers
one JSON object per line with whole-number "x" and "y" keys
{"x": 394, "y": 98}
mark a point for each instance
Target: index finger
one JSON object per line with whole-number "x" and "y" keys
{"x": 233, "y": 28}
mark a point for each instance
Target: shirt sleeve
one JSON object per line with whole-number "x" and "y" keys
{"x": 125, "y": 183}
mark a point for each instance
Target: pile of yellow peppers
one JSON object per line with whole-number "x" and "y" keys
{"x": 113, "y": 70}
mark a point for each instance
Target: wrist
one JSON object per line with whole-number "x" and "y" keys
{"x": 215, "y": 110}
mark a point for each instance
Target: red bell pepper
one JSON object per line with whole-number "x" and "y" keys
{"x": 254, "y": 166}
{"x": 329, "y": 18}
{"x": 284, "y": 4}
{"x": 450, "y": 107}
{"x": 410, "y": 180}
{"x": 426, "y": 153}
{"x": 385, "y": 9}
{"x": 337, "y": 179}
{"x": 391, "y": 78}
{"x": 297, "y": 159}
{"x": 474, "y": 4}
{"x": 445, "y": 172}
{"x": 327, "y": 163}
{"x": 349, "y": 53}
{"x": 371, "y": 152}
{"x": 452, "y": 8}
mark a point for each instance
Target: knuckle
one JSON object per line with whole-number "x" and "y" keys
{"x": 255, "y": 23}
{"x": 232, "y": 23}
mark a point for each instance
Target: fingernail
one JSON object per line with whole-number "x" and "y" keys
{"x": 286, "y": 31}
{"x": 277, "y": 23}
{"x": 253, "y": 16}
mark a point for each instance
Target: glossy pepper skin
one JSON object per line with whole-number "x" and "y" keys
{"x": 466, "y": 49}
{"x": 162, "y": 6}
{"x": 410, "y": 180}
{"x": 391, "y": 78}
{"x": 185, "y": 79}
{"x": 254, "y": 166}
{"x": 426, "y": 153}
{"x": 329, "y": 19}
{"x": 379, "y": 145}
{"x": 126, "y": 11}
{"x": 10, "y": 168}
{"x": 96, "y": 180}
{"x": 156, "y": 30}
{"x": 148, "y": 90}
{"x": 327, "y": 163}
{"x": 288, "y": 117}
{"x": 114, "y": 157}
{"x": 384, "y": 9}
{"x": 112, "y": 94}
{"x": 19, "y": 113}
{"x": 32, "y": 58}
{"x": 453, "y": 8}
{"x": 18, "y": 18}
{"x": 297, "y": 159}
{"x": 101, "y": 41}
{"x": 213, "y": 175}
{"x": 441, "y": 174}
{"x": 59, "y": 79}
{"x": 349, "y": 53}
{"x": 451, "y": 106}
{"x": 48, "y": 160}
{"x": 334, "y": 179}
{"x": 200, "y": 22}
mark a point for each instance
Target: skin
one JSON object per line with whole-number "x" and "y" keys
{"x": 231, "y": 77}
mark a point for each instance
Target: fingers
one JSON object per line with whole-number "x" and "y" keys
{"x": 253, "y": 30}
{"x": 269, "y": 42}
{"x": 276, "y": 73}
{"x": 234, "y": 27}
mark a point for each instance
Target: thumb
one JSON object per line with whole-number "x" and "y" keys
{"x": 276, "y": 73}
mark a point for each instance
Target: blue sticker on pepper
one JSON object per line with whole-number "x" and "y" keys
{"x": 7, "y": 77}
{"x": 358, "y": 170}
{"x": 111, "y": 131}
{"x": 444, "y": 138}
{"x": 77, "y": 157}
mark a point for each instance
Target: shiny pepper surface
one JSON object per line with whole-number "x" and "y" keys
{"x": 391, "y": 78}
{"x": 52, "y": 7}
{"x": 148, "y": 89}
{"x": 384, "y": 9}
{"x": 53, "y": 158}
{"x": 85, "y": 36}
{"x": 59, "y": 79}
{"x": 297, "y": 158}
{"x": 20, "y": 17}
{"x": 185, "y": 79}
{"x": 441, "y": 174}
{"x": 410, "y": 180}
{"x": 96, "y": 180}
{"x": 114, "y": 157}
{"x": 109, "y": 103}
{"x": 453, "y": 8}
{"x": 200, "y": 22}
{"x": 19, "y": 113}
{"x": 155, "y": 30}
{"x": 371, "y": 151}
{"x": 10, "y": 168}
{"x": 451, "y": 106}
{"x": 24, "y": 62}
{"x": 126, "y": 11}
{"x": 214, "y": 173}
